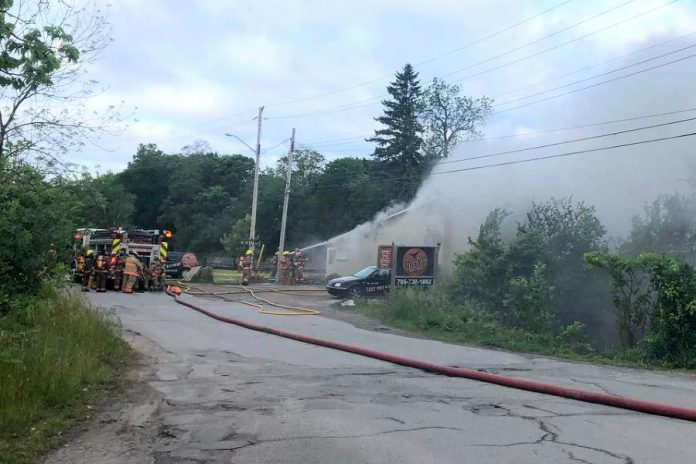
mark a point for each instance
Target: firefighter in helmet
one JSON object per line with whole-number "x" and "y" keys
{"x": 274, "y": 264}
{"x": 246, "y": 267}
{"x": 293, "y": 268}
{"x": 87, "y": 270}
{"x": 131, "y": 270}
{"x": 101, "y": 270}
{"x": 79, "y": 263}
{"x": 118, "y": 261}
{"x": 299, "y": 265}
{"x": 284, "y": 266}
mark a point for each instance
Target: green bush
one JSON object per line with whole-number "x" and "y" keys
{"x": 34, "y": 214}
{"x": 54, "y": 351}
{"x": 632, "y": 295}
{"x": 529, "y": 300}
{"x": 672, "y": 333}
{"x": 432, "y": 312}
{"x": 537, "y": 280}
{"x": 654, "y": 295}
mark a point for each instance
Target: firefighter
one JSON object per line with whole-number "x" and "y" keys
{"x": 144, "y": 278}
{"x": 159, "y": 277}
{"x": 131, "y": 270}
{"x": 284, "y": 267}
{"x": 117, "y": 263}
{"x": 246, "y": 267}
{"x": 274, "y": 264}
{"x": 299, "y": 265}
{"x": 292, "y": 278}
{"x": 87, "y": 270}
{"x": 101, "y": 270}
{"x": 79, "y": 266}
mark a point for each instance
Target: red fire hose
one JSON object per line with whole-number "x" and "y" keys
{"x": 522, "y": 384}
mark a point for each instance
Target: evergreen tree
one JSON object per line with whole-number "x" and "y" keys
{"x": 399, "y": 140}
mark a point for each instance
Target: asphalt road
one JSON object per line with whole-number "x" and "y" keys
{"x": 216, "y": 393}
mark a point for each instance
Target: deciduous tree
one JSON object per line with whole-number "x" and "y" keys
{"x": 448, "y": 117}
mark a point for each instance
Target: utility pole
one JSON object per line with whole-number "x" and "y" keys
{"x": 255, "y": 197}
{"x": 281, "y": 245}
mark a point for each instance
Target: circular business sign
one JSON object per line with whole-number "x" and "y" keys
{"x": 415, "y": 262}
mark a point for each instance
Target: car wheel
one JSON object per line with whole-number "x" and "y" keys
{"x": 355, "y": 292}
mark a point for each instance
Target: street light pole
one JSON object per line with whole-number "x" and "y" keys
{"x": 255, "y": 197}
{"x": 284, "y": 221}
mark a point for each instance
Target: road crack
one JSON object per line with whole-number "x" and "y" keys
{"x": 594, "y": 384}
{"x": 342, "y": 437}
{"x": 572, "y": 457}
{"x": 548, "y": 434}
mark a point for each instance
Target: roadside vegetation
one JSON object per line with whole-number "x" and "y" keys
{"x": 551, "y": 285}
{"x": 57, "y": 354}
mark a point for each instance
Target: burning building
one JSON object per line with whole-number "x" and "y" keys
{"x": 356, "y": 249}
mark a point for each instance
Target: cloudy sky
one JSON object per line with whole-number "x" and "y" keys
{"x": 196, "y": 70}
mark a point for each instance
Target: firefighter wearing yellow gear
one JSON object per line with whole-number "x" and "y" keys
{"x": 246, "y": 267}
{"x": 274, "y": 264}
{"x": 79, "y": 265}
{"x": 87, "y": 270}
{"x": 130, "y": 273}
{"x": 100, "y": 273}
{"x": 299, "y": 265}
{"x": 284, "y": 266}
{"x": 117, "y": 264}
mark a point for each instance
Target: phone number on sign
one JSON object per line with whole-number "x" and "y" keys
{"x": 414, "y": 281}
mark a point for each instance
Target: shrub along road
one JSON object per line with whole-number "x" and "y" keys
{"x": 220, "y": 393}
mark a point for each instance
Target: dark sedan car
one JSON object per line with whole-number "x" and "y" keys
{"x": 370, "y": 281}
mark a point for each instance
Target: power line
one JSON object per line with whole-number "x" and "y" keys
{"x": 582, "y": 139}
{"x": 505, "y": 163}
{"x": 371, "y": 101}
{"x": 513, "y": 162}
{"x": 324, "y": 139}
{"x": 429, "y": 60}
{"x": 537, "y": 147}
{"x": 563, "y": 44}
{"x": 548, "y": 36}
{"x": 570, "y": 153}
{"x": 475, "y": 42}
{"x": 491, "y": 35}
{"x": 274, "y": 146}
{"x": 561, "y": 129}
{"x": 616, "y": 58}
{"x": 595, "y": 85}
{"x": 598, "y": 75}
{"x": 589, "y": 67}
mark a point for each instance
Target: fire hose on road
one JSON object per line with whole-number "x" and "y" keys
{"x": 623, "y": 402}
{"x": 289, "y": 310}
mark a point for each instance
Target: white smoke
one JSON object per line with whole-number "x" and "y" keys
{"x": 618, "y": 182}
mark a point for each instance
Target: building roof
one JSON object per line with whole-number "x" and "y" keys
{"x": 337, "y": 237}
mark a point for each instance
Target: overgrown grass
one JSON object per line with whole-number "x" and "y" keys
{"x": 430, "y": 313}
{"x": 230, "y": 276}
{"x": 226, "y": 275}
{"x": 56, "y": 355}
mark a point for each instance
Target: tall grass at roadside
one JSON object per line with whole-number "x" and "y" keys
{"x": 55, "y": 351}
{"x": 430, "y": 312}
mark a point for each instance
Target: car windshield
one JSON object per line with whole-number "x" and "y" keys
{"x": 365, "y": 272}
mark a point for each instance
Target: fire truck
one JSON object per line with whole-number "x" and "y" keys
{"x": 149, "y": 245}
